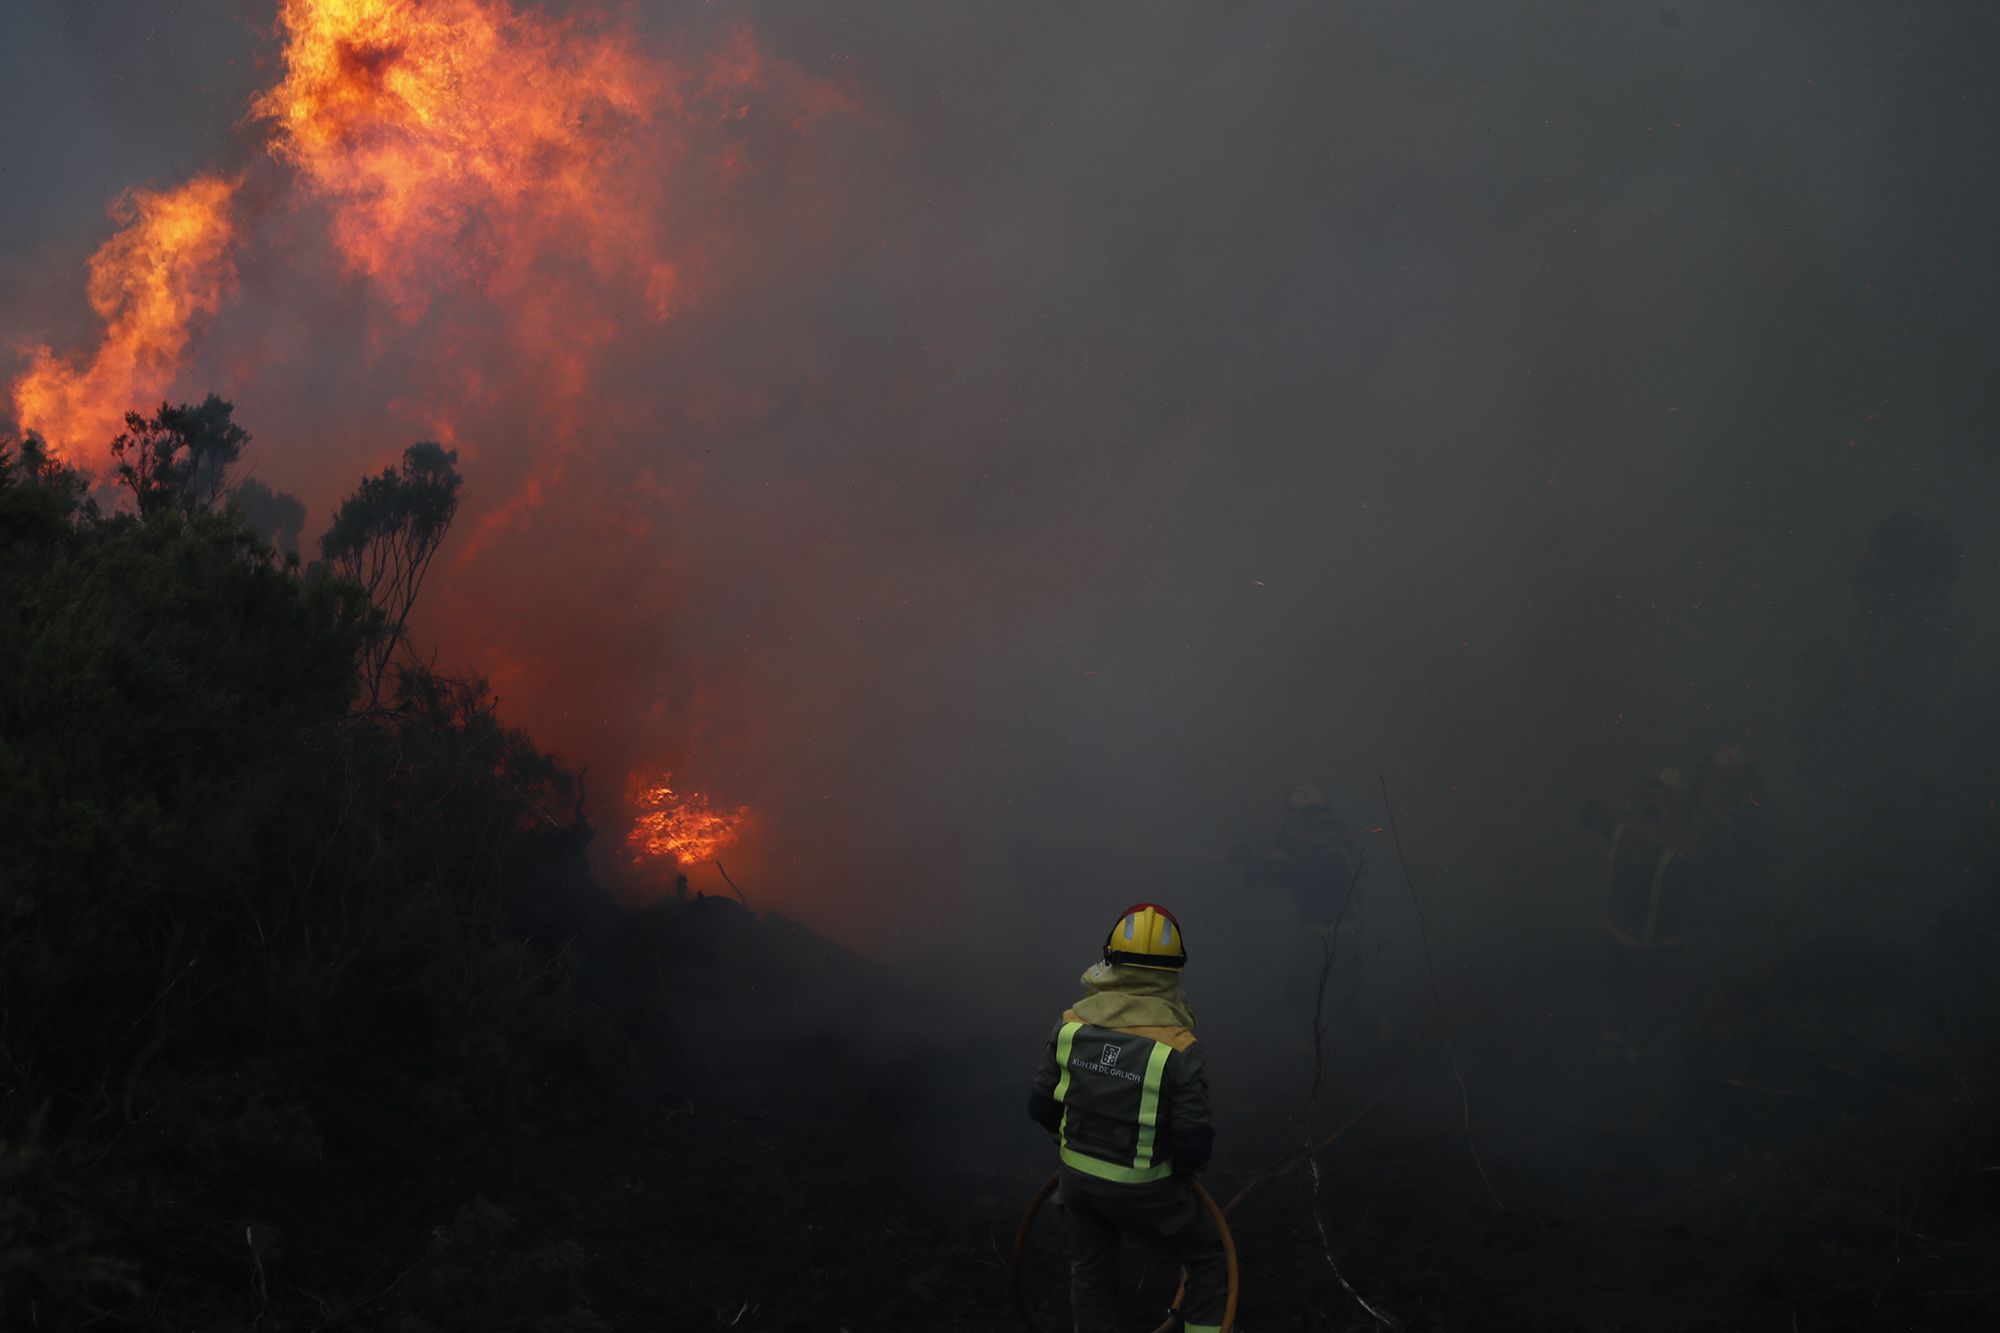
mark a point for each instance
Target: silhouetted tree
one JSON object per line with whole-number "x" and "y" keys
{"x": 27, "y": 466}
{"x": 179, "y": 458}
{"x": 384, "y": 537}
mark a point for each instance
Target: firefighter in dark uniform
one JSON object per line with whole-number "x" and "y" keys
{"x": 1314, "y": 861}
{"x": 1123, "y": 1089}
{"x": 1729, "y": 798}
{"x": 1660, "y": 858}
{"x": 1314, "y": 858}
{"x": 1736, "y": 823}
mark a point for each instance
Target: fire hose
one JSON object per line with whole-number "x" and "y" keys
{"x": 1221, "y": 1216}
{"x": 1207, "y": 1201}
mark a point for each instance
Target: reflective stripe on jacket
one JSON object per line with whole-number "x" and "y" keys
{"x": 1654, "y": 883}
{"x": 1128, "y": 1104}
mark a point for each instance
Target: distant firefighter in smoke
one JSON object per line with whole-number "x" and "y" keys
{"x": 1728, "y": 794}
{"x": 1317, "y": 863}
{"x": 1663, "y": 855}
{"x": 1124, "y": 1089}
{"x": 1737, "y": 822}
{"x": 1314, "y": 859}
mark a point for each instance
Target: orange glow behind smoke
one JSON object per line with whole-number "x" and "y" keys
{"x": 683, "y": 828}
{"x": 167, "y": 267}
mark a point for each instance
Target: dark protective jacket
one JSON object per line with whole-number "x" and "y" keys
{"x": 1125, "y": 1104}
{"x": 1657, "y": 879}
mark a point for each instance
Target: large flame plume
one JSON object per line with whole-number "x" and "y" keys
{"x": 465, "y": 149}
{"x": 167, "y": 268}
{"x": 680, "y": 828}
{"x": 464, "y": 141}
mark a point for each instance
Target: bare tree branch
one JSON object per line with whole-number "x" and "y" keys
{"x": 1437, "y": 999}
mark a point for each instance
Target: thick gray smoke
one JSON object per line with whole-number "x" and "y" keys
{"x": 1131, "y": 413}
{"x": 1207, "y": 404}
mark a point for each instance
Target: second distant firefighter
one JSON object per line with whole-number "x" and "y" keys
{"x": 1659, "y": 866}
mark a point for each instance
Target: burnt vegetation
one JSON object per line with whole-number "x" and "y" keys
{"x": 312, "y": 1016}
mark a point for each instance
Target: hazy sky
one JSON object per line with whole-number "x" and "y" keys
{"x": 1120, "y": 414}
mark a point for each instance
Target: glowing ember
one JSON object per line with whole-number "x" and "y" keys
{"x": 682, "y": 826}
{"x": 167, "y": 267}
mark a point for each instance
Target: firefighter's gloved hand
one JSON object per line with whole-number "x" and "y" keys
{"x": 1193, "y": 1147}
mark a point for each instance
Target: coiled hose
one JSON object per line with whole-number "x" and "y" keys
{"x": 1289, "y": 1161}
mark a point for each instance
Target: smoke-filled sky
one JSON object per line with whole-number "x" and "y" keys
{"x": 1007, "y": 447}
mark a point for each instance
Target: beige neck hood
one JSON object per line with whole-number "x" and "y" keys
{"x": 1119, "y": 996}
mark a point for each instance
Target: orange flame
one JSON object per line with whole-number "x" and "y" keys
{"x": 456, "y": 139}
{"x": 168, "y": 266}
{"x": 682, "y": 827}
{"x": 473, "y": 149}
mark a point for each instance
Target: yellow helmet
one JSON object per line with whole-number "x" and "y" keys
{"x": 1146, "y": 935}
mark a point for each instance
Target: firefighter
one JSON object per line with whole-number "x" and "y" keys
{"x": 1123, "y": 1089}
{"x": 1314, "y": 858}
{"x": 1737, "y": 823}
{"x": 1314, "y": 861}
{"x": 1660, "y": 857}
{"x": 1728, "y": 796}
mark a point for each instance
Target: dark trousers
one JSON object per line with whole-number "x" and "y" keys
{"x": 1161, "y": 1213}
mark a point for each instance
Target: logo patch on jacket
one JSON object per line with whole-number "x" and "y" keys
{"x": 1107, "y": 1063}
